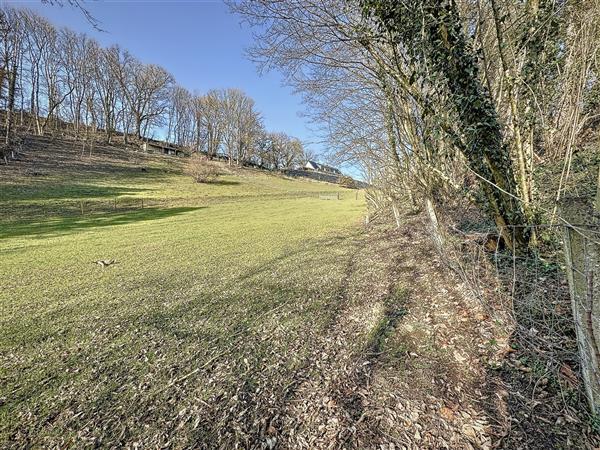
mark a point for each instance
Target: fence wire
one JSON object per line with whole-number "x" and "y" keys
{"x": 552, "y": 292}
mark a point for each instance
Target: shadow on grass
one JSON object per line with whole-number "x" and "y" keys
{"x": 224, "y": 183}
{"x": 394, "y": 311}
{"x": 268, "y": 293}
{"x": 64, "y": 191}
{"x": 66, "y": 225}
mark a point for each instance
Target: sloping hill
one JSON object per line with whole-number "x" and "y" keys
{"x": 57, "y": 178}
{"x": 208, "y": 280}
{"x": 248, "y": 313}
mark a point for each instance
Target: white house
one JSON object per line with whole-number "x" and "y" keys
{"x": 317, "y": 167}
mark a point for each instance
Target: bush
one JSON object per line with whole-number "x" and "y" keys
{"x": 347, "y": 182}
{"x": 202, "y": 169}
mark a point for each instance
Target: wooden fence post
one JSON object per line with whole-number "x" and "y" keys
{"x": 436, "y": 231}
{"x": 582, "y": 258}
{"x": 81, "y": 205}
{"x": 396, "y": 213}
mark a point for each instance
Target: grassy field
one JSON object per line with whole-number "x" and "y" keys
{"x": 255, "y": 312}
{"x": 214, "y": 295}
{"x": 55, "y": 180}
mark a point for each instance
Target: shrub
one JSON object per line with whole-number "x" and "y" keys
{"x": 347, "y": 182}
{"x": 202, "y": 169}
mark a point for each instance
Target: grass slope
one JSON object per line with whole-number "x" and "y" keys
{"x": 209, "y": 285}
{"x": 55, "y": 178}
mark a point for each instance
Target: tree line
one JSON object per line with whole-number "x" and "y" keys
{"x": 444, "y": 99}
{"x": 54, "y": 78}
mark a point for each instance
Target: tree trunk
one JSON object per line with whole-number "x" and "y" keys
{"x": 486, "y": 151}
{"x": 432, "y": 31}
{"x": 436, "y": 232}
{"x": 521, "y": 131}
{"x": 138, "y": 127}
{"x": 11, "y": 101}
{"x": 396, "y": 213}
{"x": 22, "y": 112}
{"x": 582, "y": 258}
{"x": 3, "y": 72}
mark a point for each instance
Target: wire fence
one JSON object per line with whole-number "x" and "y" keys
{"x": 582, "y": 261}
{"x": 23, "y": 210}
{"x": 553, "y": 292}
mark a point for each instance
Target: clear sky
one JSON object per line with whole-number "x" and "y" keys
{"x": 197, "y": 41}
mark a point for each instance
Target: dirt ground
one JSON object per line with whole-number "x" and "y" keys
{"x": 419, "y": 385}
{"x": 442, "y": 374}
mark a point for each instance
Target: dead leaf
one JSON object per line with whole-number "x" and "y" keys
{"x": 447, "y": 413}
{"x": 569, "y": 375}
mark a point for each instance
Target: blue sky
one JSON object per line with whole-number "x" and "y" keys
{"x": 202, "y": 45}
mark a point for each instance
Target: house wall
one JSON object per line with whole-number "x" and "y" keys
{"x": 151, "y": 148}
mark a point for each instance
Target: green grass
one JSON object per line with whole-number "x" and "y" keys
{"x": 217, "y": 292}
{"x": 394, "y": 310}
{"x": 98, "y": 182}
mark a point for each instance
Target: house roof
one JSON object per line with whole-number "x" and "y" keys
{"x": 323, "y": 167}
{"x": 160, "y": 144}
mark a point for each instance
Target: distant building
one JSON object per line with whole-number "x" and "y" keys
{"x": 162, "y": 148}
{"x": 318, "y": 167}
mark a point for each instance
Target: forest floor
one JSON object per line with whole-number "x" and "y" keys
{"x": 249, "y": 313}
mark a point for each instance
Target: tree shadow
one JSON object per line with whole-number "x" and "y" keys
{"x": 270, "y": 293}
{"x": 307, "y": 247}
{"x": 64, "y": 191}
{"x": 67, "y": 225}
{"x": 224, "y": 183}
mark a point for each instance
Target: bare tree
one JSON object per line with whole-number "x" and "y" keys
{"x": 145, "y": 88}
{"x": 106, "y": 85}
{"x": 78, "y": 54}
{"x": 180, "y": 116}
{"x": 11, "y": 28}
{"x": 209, "y": 121}
{"x": 242, "y": 125}
{"x": 280, "y": 151}
{"x": 48, "y": 77}
{"x": 66, "y": 79}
